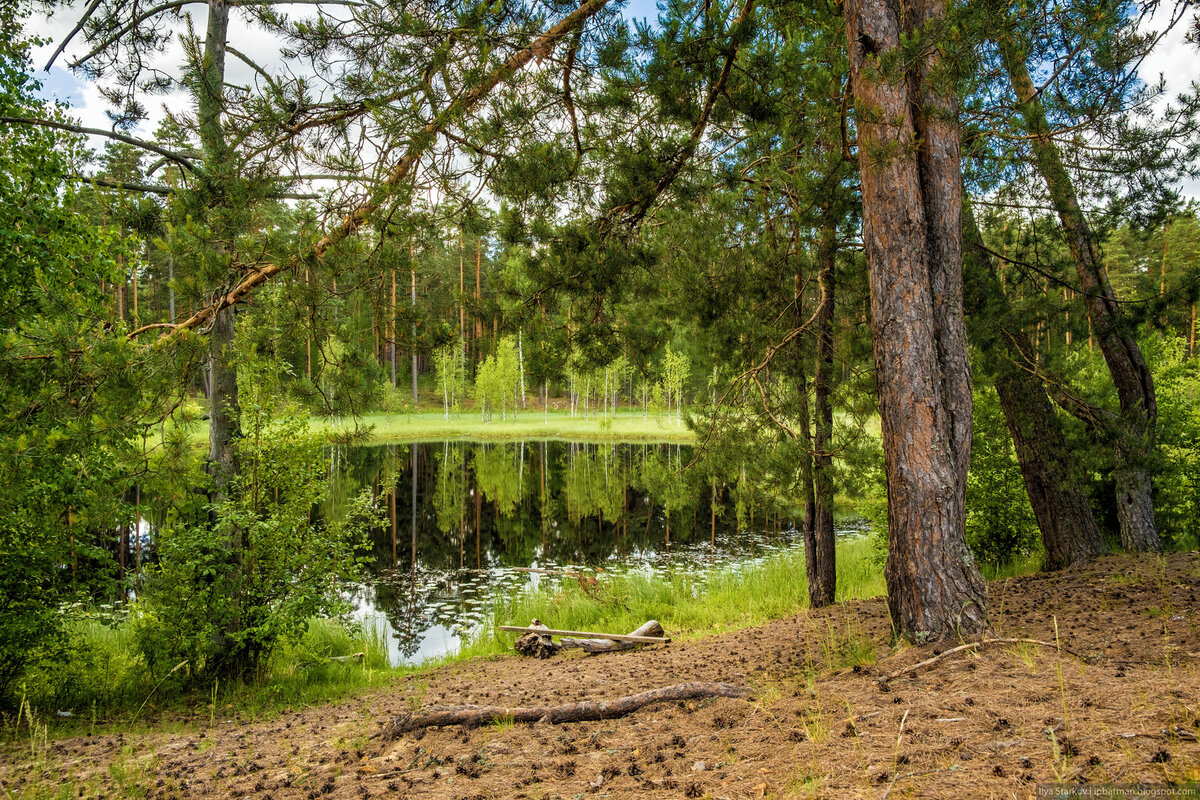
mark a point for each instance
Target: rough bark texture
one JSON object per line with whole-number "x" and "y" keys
{"x": 822, "y": 573}
{"x": 1060, "y": 505}
{"x": 587, "y": 711}
{"x": 1130, "y": 374}
{"x": 912, "y": 235}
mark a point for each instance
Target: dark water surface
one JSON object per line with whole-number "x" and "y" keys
{"x": 469, "y": 522}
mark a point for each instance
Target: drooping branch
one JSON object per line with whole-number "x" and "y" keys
{"x": 462, "y": 106}
{"x": 128, "y": 186}
{"x": 635, "y": 210}
{"x": 170, "y": 155}
{"x": 587, "y": 711}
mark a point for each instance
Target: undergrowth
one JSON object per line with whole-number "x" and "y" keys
{"x": 687, "y": 605}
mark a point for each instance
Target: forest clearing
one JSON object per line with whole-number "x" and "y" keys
{"x": 1121, "y": 708}
{"x": 337, "y": 337}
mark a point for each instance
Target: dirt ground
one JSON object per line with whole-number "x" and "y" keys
{"x": 1125, "y": 708}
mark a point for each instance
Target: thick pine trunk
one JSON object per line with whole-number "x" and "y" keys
{"x": 822, "y": 572}
{"x": 1130, "y": 374}
{"x": 1064, "y": 515}
{"x": 912, "y": 235}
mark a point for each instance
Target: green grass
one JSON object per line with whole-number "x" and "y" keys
{"x": 688, "y": 606}
{"x": 108, "y": 687}
{"x": 102, "y": 681}
{"x": 423, "y": 426}
{"x": 531, "y": 424}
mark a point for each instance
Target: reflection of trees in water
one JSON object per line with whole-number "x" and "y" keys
{"x": 460, "y": 513}
{"x": 475, "y": 506}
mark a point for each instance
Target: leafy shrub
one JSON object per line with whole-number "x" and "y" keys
{"x": 1000, "y": 522}
{"x": 228, "y": 589}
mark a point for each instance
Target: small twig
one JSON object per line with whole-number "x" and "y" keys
{"x": 908, "y": 775}
{"x": 885, "y": 679}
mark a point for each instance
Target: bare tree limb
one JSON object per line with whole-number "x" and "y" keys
{"x": 67, "y": 40}
{"x": 586, "y": 711}
{"x": 883, "y": 680}
{"x": 178, "y": 158}
{"x": 129, "y": 186}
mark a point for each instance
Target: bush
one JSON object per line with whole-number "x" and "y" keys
{"x": 229, "y": 588}
{"x": 1000, "y": 524}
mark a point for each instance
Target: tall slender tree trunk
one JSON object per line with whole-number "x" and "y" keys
{"x": 1060, "y": 505}
{"x": 391, "y": 331}
{"x": 462, "y": 313}
{"x": 807, "y": 490}
{"x": 171, "y": 286}
{"x": 822, "y": 572}
{"x": 912, "y": 231}
{"x": 1192, "y": 337}
{"x": 413, "y": 262}
{"x": 478, "y": 329}
{"x": 1135, "y": 431}
{"x": 223, "y": 388}
{"x": 136, "y": 316}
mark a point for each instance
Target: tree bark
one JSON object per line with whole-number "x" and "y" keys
{"x": 912, "y": 228}
{"x": 822, "y": 572}
{"x": 1060, "y": 505}
{"x": 1135, "y": 431}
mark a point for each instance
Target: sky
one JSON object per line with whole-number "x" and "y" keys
{"x": 1175, "y": 60}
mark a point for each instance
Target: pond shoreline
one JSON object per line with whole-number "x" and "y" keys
{"x": 973, "y": 725}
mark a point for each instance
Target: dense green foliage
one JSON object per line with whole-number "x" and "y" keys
{"x": 662, "y": 218}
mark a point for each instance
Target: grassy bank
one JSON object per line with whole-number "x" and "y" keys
{"x": 429, "y": 425}
{"x": 424, "y": 426}
{"x": 105, "y": 683}
{"x": 688, "y": 606}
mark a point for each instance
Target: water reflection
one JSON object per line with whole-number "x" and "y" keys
{"x": 468, "y": 522}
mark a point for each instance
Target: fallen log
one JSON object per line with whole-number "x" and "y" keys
{"x": 649, "y": 630}
{"x": 618, "y": 637}
{"x": 587, "y": 711}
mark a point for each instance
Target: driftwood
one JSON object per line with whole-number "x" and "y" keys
{"x": 587, "y": 711}
{"x": 651, "y": 631}
{"x": 536, "y": 640}
{"x": 929, "y": 662}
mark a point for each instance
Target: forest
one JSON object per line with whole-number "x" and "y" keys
{"x": 931, "y": 265}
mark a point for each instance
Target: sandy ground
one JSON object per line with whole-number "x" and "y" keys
{"x": 1124, "y": 708}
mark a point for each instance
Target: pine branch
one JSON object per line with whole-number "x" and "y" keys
{"x": 170, "y": 155}
{"x": 131, "y": 26}
{"x": 67, "y": 40}
{"x": 462, "y": 106}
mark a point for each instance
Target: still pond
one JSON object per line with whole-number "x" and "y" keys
{"x": 470, "y": 524}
